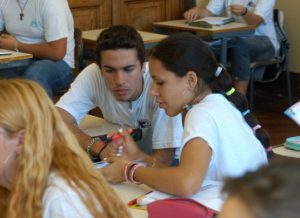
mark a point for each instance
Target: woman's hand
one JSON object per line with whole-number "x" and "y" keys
{"x": 123, "y": 145}
{"x": 115, "y": 171}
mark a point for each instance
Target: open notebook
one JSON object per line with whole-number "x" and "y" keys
{"x": 209, "y": 196}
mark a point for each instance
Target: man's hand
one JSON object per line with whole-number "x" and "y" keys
{"x": 8, "y": 42}
{"x": 238, "y": 10}
{"x": 192, "y": 14}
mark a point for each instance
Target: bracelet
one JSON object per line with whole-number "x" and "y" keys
{"x": 90, "y": 146}
{"x": 132, "y": 171}
{"x": 16, "y": 46}
{"x": 245, "y": 12}
{"x": 153, "y": 163}
{"x": 101, "y": 150}
{"x": 127, "y": 166}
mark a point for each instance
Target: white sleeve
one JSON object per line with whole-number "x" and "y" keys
{"x": 264, "y": 8}
{"x": 55, "y": 20}
{"x": 80, "y": 98}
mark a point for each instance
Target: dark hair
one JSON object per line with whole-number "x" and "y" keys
{"x": 271, "y": 192}
{"x": 121, "y": 37}
{"x": 183, "y": 52}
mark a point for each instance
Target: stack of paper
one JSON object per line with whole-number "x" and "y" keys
{"x": 294, "y": 112}
{"x": 217, "y": 20}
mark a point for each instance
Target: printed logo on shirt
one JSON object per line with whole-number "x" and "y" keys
{"x": 144, "y": 123}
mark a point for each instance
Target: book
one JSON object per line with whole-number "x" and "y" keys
{"x": 293, "y": 112}
{"x": 208, "y": 22}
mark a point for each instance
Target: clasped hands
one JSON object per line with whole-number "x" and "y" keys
{"x": 8, "y": 42}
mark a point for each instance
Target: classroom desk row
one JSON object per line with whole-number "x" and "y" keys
{"x": 222, "y": 33}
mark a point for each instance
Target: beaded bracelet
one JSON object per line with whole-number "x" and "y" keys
{"x": 90, "y": 146}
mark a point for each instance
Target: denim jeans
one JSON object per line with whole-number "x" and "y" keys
{"x": 52, "y": 75}
{"x": 247, "y": 50}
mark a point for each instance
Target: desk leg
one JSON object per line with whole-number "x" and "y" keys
{"x": 223, "y": 57}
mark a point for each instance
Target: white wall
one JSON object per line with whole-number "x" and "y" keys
{"x": 292, "y": 17}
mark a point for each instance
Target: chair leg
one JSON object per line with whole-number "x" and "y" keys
{"x": 288, "y": 80}
{"x": 251, "y": 92}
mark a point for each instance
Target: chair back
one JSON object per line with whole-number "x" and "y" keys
{"x": 78, "y": 50}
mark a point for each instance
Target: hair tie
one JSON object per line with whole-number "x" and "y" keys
{"x": 269, "y": 149}
{"x": 256, "y": 127}
{"x": 230, "y": 92}
{"x": 246, "y": 112}
{"x": 218, "y": 71}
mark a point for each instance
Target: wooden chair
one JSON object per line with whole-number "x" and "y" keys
{"x": 275, "y": 66}
{"x": 78, "y": 51}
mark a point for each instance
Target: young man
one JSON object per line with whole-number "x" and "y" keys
{"x": 120, "y": 87}
{"x": 260, "y": 46}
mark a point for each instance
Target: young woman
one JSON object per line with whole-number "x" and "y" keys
{"x": 219, "y": 137}
{"x": 270, "y": 192}
{"x": 43, "y": 170}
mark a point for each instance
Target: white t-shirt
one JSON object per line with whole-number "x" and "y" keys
{"x": 43, "y": 21}
{"x": 89, "y": 90}
{"x": 263, "y": 8}
{"x": 61, "y": 201}
{"x": 235, "y": 148}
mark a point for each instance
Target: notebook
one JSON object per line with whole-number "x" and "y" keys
{"x": 293, "y": 112}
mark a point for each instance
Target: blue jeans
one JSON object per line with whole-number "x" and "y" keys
{"x": 52, "y": 75}
{"x": 247, "y": 50}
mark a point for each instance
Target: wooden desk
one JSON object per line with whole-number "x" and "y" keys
{"x": 16, "y": 59}
{"x": 90, "y": 37}
{"x": 223, "y": 32}
{"x": 95, "y": 126}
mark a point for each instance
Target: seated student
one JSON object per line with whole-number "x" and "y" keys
{"x": 217, "y": 140}
{"x": 120, "y": 86}
{"x": 262, "y": 45}
{"x": 45, "y": 29}
{"x": 271, "y": 192}
{"x": 43, "y": 170}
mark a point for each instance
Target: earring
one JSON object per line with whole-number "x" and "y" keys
{"x": 187, "y": 107}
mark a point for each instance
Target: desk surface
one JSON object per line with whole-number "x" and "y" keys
{"x": 92, "y": 35}
{"x": 14, "y": 56}
{"x": 183, "y": 25}
{"x": 283, "y": 151}
{"x": 95, "y": 126}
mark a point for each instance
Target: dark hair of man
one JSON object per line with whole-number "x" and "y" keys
{"x": 183, "y": 52}
{"x": 120, "y": 37}
{"x": 270, "y": 192}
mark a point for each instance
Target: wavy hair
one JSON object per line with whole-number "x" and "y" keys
{"x": 48, "y": 144}
{"x": 183, "y": 52}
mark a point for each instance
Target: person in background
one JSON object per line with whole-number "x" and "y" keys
{"x": 45, "y": 29}
{"x": 270, "y": 192}
{"x": 263, "y": 45}
{"x": 120, "y": 86}
{"x": 220, "y": 138}
{"x": 43, "y": 170}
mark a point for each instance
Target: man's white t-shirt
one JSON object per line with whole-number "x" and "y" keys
{"x": 43, "y": 21}
{"x": 89, "y": 90}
